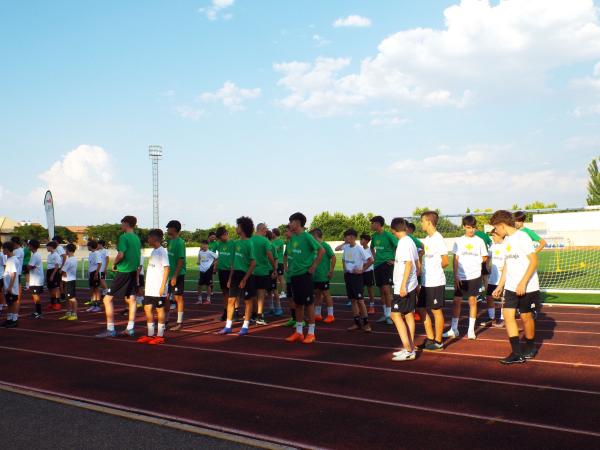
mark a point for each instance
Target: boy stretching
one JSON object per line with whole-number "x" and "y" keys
{"x": 322, "y": 277}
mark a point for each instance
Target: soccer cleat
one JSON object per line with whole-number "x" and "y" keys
{"x": 349, "y": 303}
{"x": 388, "y": 321}
{"x": 353, "y": 327}
{"x": 371, "y": 310}
{"x": 399, "y": 352}
{"x": 12, "y": 324}
{"x": 88, "y": 303}
{"x": 144, "y": 339}
{"x": 329, "y": 319}
{"x": 224, "y": 331}
{"x": 106, "y": 334}
{"x": 530, "y": 354}
{"x": 5, "y": 323}
{"x": 290, "y": 323}
{"x": 319, "y": 318}
{"x": 127, "y": 333}
{"x": 66, "y": 316}
{"x": 35, "y": 315}
{"x": 406, "y": 356}
{"x": 513, "y": 358}
{"x": 296, "y": 337}
{"x": 72, "y": 317}
{"x": 157, "y": 340}
{"x": 309, "y": 339}
{"x": 282, "y": 295}
{"x": 177, "y": 327}
{"x": 243, "y": 332}
{"x": 97, "y": 309}
{"x": 499, "y": 323}
{"x": 56, "y": 307}
{"x": 366, "y": 327}
{"x": 471, "y": 335}
{"x": 49, "y": 307}
{"x": 451, "y": 333}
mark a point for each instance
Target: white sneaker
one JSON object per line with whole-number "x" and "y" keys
{"x": 471, "y": 335}
{"x": 399, "y": 352}
{"x": 451, "y": 333}
{"x": 282, "y": 295}
{"x": 406, "y": 356}
{"x": 199, "y": 302}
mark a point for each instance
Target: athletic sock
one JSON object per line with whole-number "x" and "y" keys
{"x": 229, "y": 324}
{"x": 472, "y": 325}
{"x": 246, "y": 324}
{"x": 501, "y": 313}
{"x": 150, "y": 328}
{"x": 311, "y": 328}
{"x": 492, "y": 313}
{"x": 180, "y": 317}
{"x": 371, "y": 304}
{"x": 130, "y": 325}
{"x": 318, "y": 310}
{"x": 330, "y": 310}
{"x": 293, "y": 314}
{"x": 110, "y": 326}
{"x": 161, "y": 330}
{"x": 529, "y": 344}
{"x": 388, "y": 311}
{"x": 38, "y": 308}
{"x": 299, "y": 328}
{"x": 454, "y": 322}
{"x": 515, "y": 344}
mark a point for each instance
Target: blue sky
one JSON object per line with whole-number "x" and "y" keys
{"x": 268, "y": 107}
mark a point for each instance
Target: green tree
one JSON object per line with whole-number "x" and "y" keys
{"x": 445, "y": 226}
{"x": 27, "y": 232}
{"x": 65, "y": 233}
{"x": 593, "y": 197}
{"x": 332, "y": 225}
{"x": 110, "y": 232}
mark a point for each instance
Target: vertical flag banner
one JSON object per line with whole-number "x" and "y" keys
{"x": 49, "y": 207}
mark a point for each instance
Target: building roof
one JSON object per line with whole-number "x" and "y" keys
{"x": 77, "y": 229}
{"x": 7, "y": 225}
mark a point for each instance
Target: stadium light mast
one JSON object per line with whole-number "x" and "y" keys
{"x": 155, "y": 152}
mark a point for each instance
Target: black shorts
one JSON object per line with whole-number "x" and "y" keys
{"x": 10, "y": 298}
{"x": 384, "y": 275}
{"x": 491, "y": 288}
{"x": 93, "y": 282}
{"x": 484, "y": 269}
{"x": 206, "y": 278}
{"x": 369, "y": 278}
{"x": 52, "y": 283}
{"x": 249, "y": 290}
{"x": 526, "y": 304}
{"x": 223, "y": 279}
{"x": 321, "y": 285}
{"x": 273, "y": 286}
{"x": 280, "y": 270}
{"x": 123, "y": 285}
{"x": 355, "y": 286}
{"x": 289, "y": 290}
{"x": 179, "y": 286}
{"x": 468, "y": 288}
{"x": 262, "y": 282}
{"x": 157, "y": 302}
{"x": 103, "y": 275}
{"x": 25, "y": 269}
{"x": 303, "y": 289}
{"x": 405, "y": 305}
{"x": 431, "y": 297}
{"x": 36, "y": 290}
{"x": 70, "y": 289}
{"x": 140, "y": 282}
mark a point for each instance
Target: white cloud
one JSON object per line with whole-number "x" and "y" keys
{"x": 352, "y": 21}
{"x": 484, "y": 51}
{"x": 232, "y": 97}
{"x": 590, "y": 87}
{"x": 214, "y": 10}
{"x": 187, "y": 112}
{"x": 320, "y": 41}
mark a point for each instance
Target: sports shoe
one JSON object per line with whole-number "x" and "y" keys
{"x": 296, "y": 337}
{"x": 513, "y": 358}
{"x": 290, "y": 323}
{"x": 329, "y": 319}
{"x": 433, "y": 346}
{"x": 451, "y": 333}
{"x": 199, "y": 302}
{"x": 49, "y": 307}
{"x": 157, "y": 340}
{"x": 88, "y": 303}
{"x": 486, "y": 322}
{"x": 261, "y": 321}
{"x": 5, "y": 323}
{"x": 399, "y": 352}
{"x": 72, "y": 317}
{"x": 224, "y": 331}
{"x": 106, "y": 334}
{"x": 389, "y": 321}
{"x": 499, "y": 323}
{"x": 66, "y": 316}
{"x": 278, "y": 313}
{"x": 371, "y": 310}
{"x": 12, "y": 324}
{"x": 319, "y": 318}
{"x": 282, "y": 295}
{"x": 530, "y": 354}
{"x": 309, "y": 339}
{"x": 366, "y": 327}
{"x": 424, "y": 344}
{"x": 177, "y": 327}
{"x": 172, "y": 306}
{"x": 406, "y": 356}
{"x": 90, "y": 309}
{"x": 382, "y": 319}
{"x": 35, "y": 315}
{"x": 349, "y": 303}
{"x": 96, "y": 309}
{"x": 56, "y": 307}
{"x": 353, "y": 327}
{"x": 207, "y": 301}
{"x": 471, "y": 335}
{"x": 417, "y": 317}
{"x": 243, "y": 332}
{"x": 144, "y": 339}
{"x": 127, "y": 333}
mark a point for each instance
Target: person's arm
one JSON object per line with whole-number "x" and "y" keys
{"x": 177, "y": 270}
{"x": 500, "y": 288}
{"x": 445, "y": 261}
{"x": 340, "y": 247}
{"x": 541, "y": 245}
{"x": 107, "y": 261}
{"x": 199, "y": 258}
{"x": 455, "y": 270}
{"x": 317, "y": 261}
{"x": 332, "y": 264}
{"x": 165, "y": 278}
{"x": 367, "y": 264}
{"x": 118, "y": 259}
{"x": 63, "y": 257}
{"x": 273, "y": 262}
{"x": 98, "y": 267}
{"x": 407, "y": 270}
{"x": 531, "y": 268}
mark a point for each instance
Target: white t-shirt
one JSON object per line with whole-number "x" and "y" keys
{"x": 470, "y": 252}
{"x": 497, "y": 253}
{"x": 206, "y": 258}
{"x": 405, "y": 251}
{"x": 36, "y": 275}
{"x": 354, "y": 257}
{"x": 11, "y": 267}
{"x": 93, "y": 259}
{"x": 432, "y": 271}
{"x": 70, "y": 269}
{"x": 102, "y": 254}
{"x": 53, "y": 261}
{"x": 2, "y": 263}
{"x": 142, "y": 260}
{"x": 370, "y": 253}
{"x": 159, "y": 259}
{"x": 60, "y": 251}
{"x": 518, "y": 247}
{"x": 19, "y": 254}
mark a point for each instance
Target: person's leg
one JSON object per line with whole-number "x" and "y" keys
{"x": 512, "y": 329}
{"x": 132, "y": 309}
{"x": 355, "y": 315}
{"x": 529, "y": 328}
{"x": 472, "y": 316}
{"x": 402, "y": 331}
{"x": 37, "y": 304}
{"x": 329, "y": 303}
{"x": 260, "y": 301}
{"x": 149, "y": 320}
{"x": 427, "y": 323}
{"x": 409, "y": 318}
{"x": 160, "y": 316}
{"x": 73, "y": 305}
{"x": 180, "y": 308}
{"x": 318, "y": 304}
{"x": 364, "y": 315}
{"x": 438, "y": 318}
{"x": 310, "y": 319}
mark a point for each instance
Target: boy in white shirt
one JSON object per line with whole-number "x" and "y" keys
{"x": 36, "y": 277}
{"x": 53, "y": 279}
{"x": 206, "y": 260}
{"x": 2, "y": 265}
{"x": 60, "y": 251}
{"x": 139, "y": 293}
{"x": 94, "y": 267}
{"x": 520, "y": 284}
{"x": 355, "y": 262}
{"x": 369, "y": 274}
{"x": 405, "y": 289}
{"x": 104, "y": 258}
{"x": 19, "y": 254}
{"x": 469, "y": 254}
{"x": 157, "y": 276}
{"x": 11, "y": 286}
{"x": 497, "y": 255}
{"x": 69, "y": 279}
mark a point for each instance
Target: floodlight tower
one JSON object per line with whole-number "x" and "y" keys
{"x": 155, "y": 152}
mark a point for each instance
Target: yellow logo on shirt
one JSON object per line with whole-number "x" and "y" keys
{"x": 469, "y": 247}
{"x": 508, "y": 248}
{"x": 295, "y": 245}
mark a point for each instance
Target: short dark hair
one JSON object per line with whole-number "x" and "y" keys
{"x": 469, "y": 221}
{"x": 399, "y": 224}
{"x": 102, "y": 242}
{"x": 174, "y": 224}
{"x": 378, "y": 219}
{"x": 502, "y": 217}
{"x": 350, "y": 232}
{"x": 156, "y": 233}
{"x": 34, "y": 243}
{"x": 317, "y": 232}
{"x": 8, "y": 246}
{"x": 366, "y": 237}
{"x": 92, "y": 244}
{"x": 15, "y": 240}
{"x": 211, "y": 233}
{"x": 204, "y": 241}
{"x": 519, "y": 216}
{"x": 299, "y": 217}
{"x": 57, "y": 238}
{"x": 129, "y": 220}
{"x": 411, "y": 227}
{"x": 221, "y": 231}
{"x": 52, "y": 244}
{"x": 270, "y": 235}
{"x": 71, "y": 248}
{"x": 246, "y": 224}
{"x": 276, "y": 232}
{"x": 432, "y": 216}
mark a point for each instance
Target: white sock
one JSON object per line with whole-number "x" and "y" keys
{"x": 110, "y": 326}
{"x": 311, "y": 328}
{"x": 501, "y": 313}
{"x": 455, "y": 323}
{"x": 330, "y": 310}
{"x": 388, "y": 311}
{"x": 180, "y": 317}
{"x": 246, "y": 324}
{"x": 299, "y": 327}
{"x": 229, "y": 324}
{"x": 161, "y": 329}
{"x": 492, "y": 313}
{"x": 318, "y": 310}
{"x": 371, "y": 304}
{"x": 150, "y": 328}
{"x": 9, "y": 316}
{"x": 472, "y": 325}
{"x": 130, "y": 325}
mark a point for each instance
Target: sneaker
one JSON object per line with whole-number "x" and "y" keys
{"x": 88, "y": 303}
{"x": 278, "y": 313}
{"x": 5, "y": 323}
{"x": 309, "y": 339}
{"x": 144, "y": 339}
{"x": 106, "y": 334}
{"x": 353, "y": 327}
{"x": 290, "y": 323}
{"x": 319, "y": 318}
{"x": 486, "y": 322}
{"x": 282, "y": 295}
{"x": 406, "y": 356}
{"x": 261, "y": 321}
{"x": 224, "y": 331}
{"x": 96, "y": 309}
{"x": 127, "y": 333}
{"x": 513, "y": 358}
{"x": 296, "y": 337}
{"x": 382, "y": 319}
{"x": 366, "y": 327}
{"x": 12, "y": 324}
{"x": 65, "y": 317}
{"x": 56, "y": 307}
{"x": 433, "y": 346}
{"x": 157, "y": 340}
{"x": 349, "y": 303}
{"x": 35, "y": 315}
{"x": 177, "y": 327}
{"x": 329, "y": 319}
{"x": 451, "y": 333}
{"x": 388, "y": 321}
{"x": 530, "y": 354}
{"x": 72, "y": 317}
{"x": 199, "y": 302}
{"x": 371, "y": 310}
{"x": 471, "y": 335}
{"x": 424, "y": 344}
{"x": 90, "y": 309}
{"x": 399, "y": 352}
{"x": 243, "y": 332}
{"x": 499, "y": 323}
{"x": 207, "y": 301}
{"x": 172, "y": 306}
{"x": 49, "y": 307}
{"x": 417, "y": 317}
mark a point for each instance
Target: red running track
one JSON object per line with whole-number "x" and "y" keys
{"x": 342, "y": 392}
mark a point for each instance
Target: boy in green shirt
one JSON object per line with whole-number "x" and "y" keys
{"x": 383, "y": 247}
{"x": 520, "y": 225}
{"x": 273, "y": 293}
{"x": 288, "y": 257}
{"x": 177, "y": 264}
{"x": 265, "y": 270}
{"x": 278, "y": 244}
{"x": 322, "y": 277}
{"x": 226, "y": 249}
{"x": 124, "y": 284}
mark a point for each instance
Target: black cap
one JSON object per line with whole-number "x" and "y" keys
{"x": 174, "y": 224}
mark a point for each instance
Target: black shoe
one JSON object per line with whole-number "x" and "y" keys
{"x": 424, "y": 344}
{"x": 11, "y": 324}
{"x": 485, "y": 322}
{"x": 5, "y": 323}
{"x": 433, "y": 346}
{"x": 513, "y": 358}
{"x": 530, "y": 354}
{"x": 35, "y": 315}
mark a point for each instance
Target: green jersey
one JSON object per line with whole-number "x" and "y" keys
{"x": 212, "y": 246}
{"x": 417, "y": 242}
{"x": 532, "y": 234}
{"x": 277, "y": 245}
{"x": 26, "y": 256}
{"x": 226, "y": 251}
{"x": 304, "y": 247}
{"x": 322, "y": 270}
{"x": 275, "y": 253}
{"x": 384, "y": 244}
{"x": 129, "y": 244}
{"x": 261, "y": 246}
{"x": 485, "y": 237}
{"x": 290, "y": 258}
{"x": 176, "y": 251}
{"x": 244, "y": 253}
